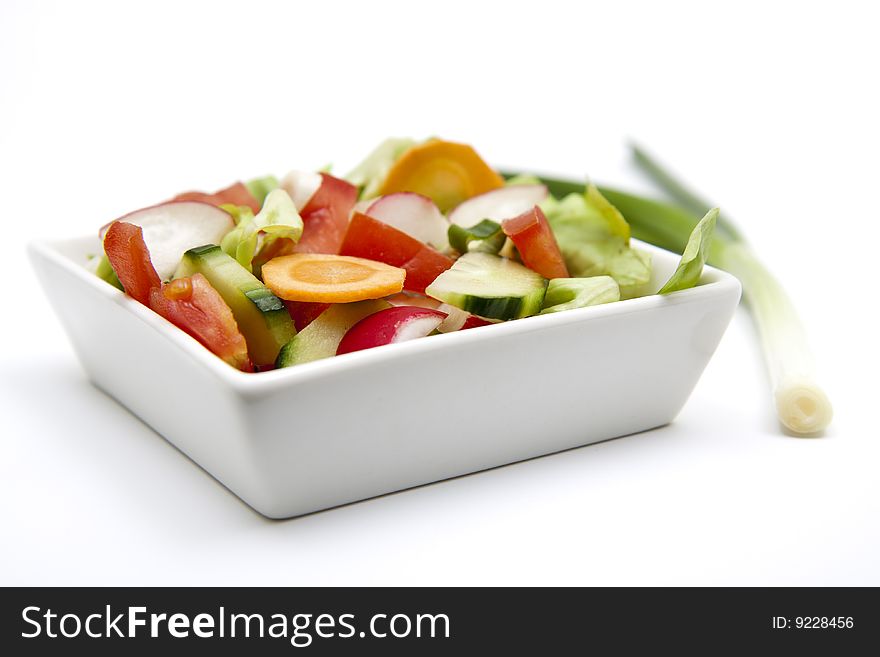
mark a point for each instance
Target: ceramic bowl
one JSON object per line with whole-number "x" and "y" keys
{"x": 314, "y": 436}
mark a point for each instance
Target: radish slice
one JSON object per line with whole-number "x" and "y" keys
{"x": 174, "y": 227}
{"x": 417, "y": 327}
{"x": 396, "y": 324}
{"x": 498, "y": 205}
{"x": 415, "y": 215}
{"x": 301, "y": 186}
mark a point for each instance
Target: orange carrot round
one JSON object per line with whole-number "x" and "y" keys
{"x": 444, "y": 171}
{"x": 326, "y": 278}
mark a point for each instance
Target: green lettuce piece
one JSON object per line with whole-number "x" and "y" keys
{"x": 260, "y": 187}
{"x": 613, "y": 219}
{"x": 278, "y": 218}
{"x": 689, "y": 270}
{"x": 239, "y": 212}
{"x": 105, "y": 272}
{"x": 594, "y": 239}
{"x": 241, "y": 241}
{"x": 369, "y": 174}
{"x": 570, "y": 293}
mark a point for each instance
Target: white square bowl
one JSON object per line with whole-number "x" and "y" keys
{"x": 318, "y": 435}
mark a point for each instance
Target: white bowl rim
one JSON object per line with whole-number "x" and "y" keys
{"x": 713, "y": 282}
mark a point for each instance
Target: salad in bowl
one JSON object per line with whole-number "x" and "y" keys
{"x": 421, "y": 238}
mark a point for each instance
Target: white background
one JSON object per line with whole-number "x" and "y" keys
{"x": 769, "y": 108}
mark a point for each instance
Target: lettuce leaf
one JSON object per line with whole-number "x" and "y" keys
{"x": 594, "y": 239}
{"x": 260, "y": 187}
{"x": 277, "y": 218}
{"x": 690, "y": 268}
{"x": 104, "y": 271}
{"x": 569, "y": 293}
{"x": 369, "y": 174}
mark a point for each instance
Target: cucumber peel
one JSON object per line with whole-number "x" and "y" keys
{"x": 490, "y": 286}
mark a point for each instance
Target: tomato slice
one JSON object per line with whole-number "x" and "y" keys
{"x": 372, "y": 239}
{"x": 533, "y": 238}
{"x": 235, "y": 194}
{"x": 325, "y": 216}
{"x": 128, "y": 255}
{"x": 195, "y": 307}
{"x": 191, "y": 304}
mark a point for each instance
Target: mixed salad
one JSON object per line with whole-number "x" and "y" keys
{"x": 420, "y": 238}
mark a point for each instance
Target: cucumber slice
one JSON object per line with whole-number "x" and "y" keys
{"x": 490, "y": 286}
{"x": 321, "y": 338}
{"x": 485, "y": 237}
{"x": 261, "y": 316}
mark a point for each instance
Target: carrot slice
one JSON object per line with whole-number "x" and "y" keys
{"x": 324, "y": 278}
{"x": 446, "y": 172}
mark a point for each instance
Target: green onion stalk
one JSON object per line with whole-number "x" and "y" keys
{"x": 801, "y": 404}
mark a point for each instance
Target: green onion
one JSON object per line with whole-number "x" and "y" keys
{"x": 681, "y": 195}
{"x": 801, "y": 404}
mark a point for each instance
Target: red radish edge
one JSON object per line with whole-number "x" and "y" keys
{"x": 171, "y": 228}
{"x": 395, "y": 324}
{"x": 103, "y": 229}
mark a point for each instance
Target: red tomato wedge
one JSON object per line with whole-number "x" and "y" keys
{"x": 235, "y": 194}
{"x": 325, "y": 216}
{"x": 533, "y": 238}
{"x": 194, "y": 306}
{"x": 191, "y": 304}
{"x": 370, "y": 238}
{"x": 130, "y": 259}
